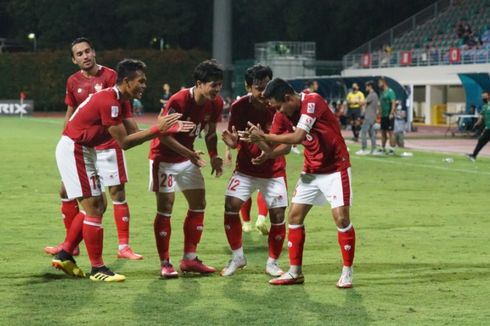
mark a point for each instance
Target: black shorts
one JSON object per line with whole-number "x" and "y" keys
{"x": 354, "y": 114}
{"x": 387, "y": 123}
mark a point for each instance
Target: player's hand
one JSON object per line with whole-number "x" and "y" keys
{"x": 180, "y": 126}
{"x": 244, "y": 135}
{"x": 217, "y": 166}
{"x": 196, "y": 159}
{"x": 230, "y": 138}
{"x": 256, "y": 133}
{"x": 166, "y": 121}
{"x": 262, "y": 158}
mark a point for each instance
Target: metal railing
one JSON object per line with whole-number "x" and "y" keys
{"x": 417, "y": 57}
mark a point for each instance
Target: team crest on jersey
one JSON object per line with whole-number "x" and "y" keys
{"x": 310, "y": 108}
{"x": 114, "y": 111}
{"x": 79, "y": 90}
{"x": 98, "y": 87}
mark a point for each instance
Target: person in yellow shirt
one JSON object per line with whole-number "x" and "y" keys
{"x": 354, "y": 99}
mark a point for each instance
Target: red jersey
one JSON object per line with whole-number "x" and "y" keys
{"x": 243, "y": 111}
{"x": 88, "y": 125}
{"x": 325, "y": 150}
{"x": 79, "y": 87}
{"x": 202, "y": 115}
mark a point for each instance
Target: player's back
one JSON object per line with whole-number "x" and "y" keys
{"x": 183, "y": 102}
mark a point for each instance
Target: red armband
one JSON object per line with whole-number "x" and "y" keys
{"x": 212, "y": 154}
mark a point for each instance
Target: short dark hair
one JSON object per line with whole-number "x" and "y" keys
{"x": 485, "y": 91}
{"x": 370, "y": 83}
{"x": 277, "y": 89}
{"x": 127, "y": 68}
{"x": 80, "y": 40}
{"x": 309, "y": 83}
{"x": 257, "y": 73}
{"x": 207, "y": 71}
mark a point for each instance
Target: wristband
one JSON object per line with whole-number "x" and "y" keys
{"x": 212, "y": 154}
{"x": 154, "y": 130}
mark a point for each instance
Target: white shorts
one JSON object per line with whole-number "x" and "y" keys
{"x": 318, "y": 189}
{"x": 111, "y": 167}
{"x": 274, "y": 190}
{"x": 172, "y": 177}
{"x": 77, "y": 166}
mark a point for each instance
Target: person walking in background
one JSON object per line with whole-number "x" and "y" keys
{"x": 354, "y": 99}
{"x": 370, "y": 112}
{"x": 166, "y": 94}
{"x": 483, "y": 118}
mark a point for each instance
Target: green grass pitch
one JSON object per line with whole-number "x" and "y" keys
{"x": 422, "y": 248}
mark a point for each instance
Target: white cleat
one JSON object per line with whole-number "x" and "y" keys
{"x": 345, "y": 280}
{"x": 234, "y": 264}
{"x": 261, "y": 225}
{"x": 273, "y": 269}
{"x": 363, "y": 152}
{"x": 247, "y": 227}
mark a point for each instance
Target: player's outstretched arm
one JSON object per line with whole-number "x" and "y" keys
{"x": 230, "y": 138}
{"x": 125, "y": 141}
{"x": 212, "y": 146}
{"x": 255, "y": 134}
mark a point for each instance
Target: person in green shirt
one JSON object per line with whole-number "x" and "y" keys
{"x": 387, "y": 101}
{"x": 483, "y": 118}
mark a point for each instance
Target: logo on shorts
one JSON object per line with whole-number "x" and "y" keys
{"x": 310, "y": 108}
{"x": 114, "y": 111}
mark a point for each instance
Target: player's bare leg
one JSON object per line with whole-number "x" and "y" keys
{"x": 163, "y": 232}
{"x": 347, "y": 243}
{"x": 193, "y": 228}
{"x": 233, "y": 230}
{"x": 296, "y": 240}
{"x": 69, "y": 210}
{"x": 121, "y": 218}
{"x": 276, "y": 240}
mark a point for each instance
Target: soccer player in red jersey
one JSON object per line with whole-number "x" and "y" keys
{"x": 175, "y": 166}
{"x": 326, "y": 175}
{"x": 96, "y": 120}
{"x": 268, "y": 177}
{"x": 111, "y": 163}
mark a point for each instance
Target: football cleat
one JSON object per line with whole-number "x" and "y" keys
{"x": 261, "y": 225}
{"x": 56, "y": 249}
{"x": 470, "y": 157}
{"x": 288, "y": 279}
{"x": 195, "y": 266}
{"x": 128, "y": 253}
{"x": 345, "y": 280}
{"x": 234, "y": 264}
{"x": 68, "y": 266}
{"x": 104, "y": 274}
{"x": 168, "y": 271}
{"x": 273, "y": 269}
{"x": 247, "y": 227}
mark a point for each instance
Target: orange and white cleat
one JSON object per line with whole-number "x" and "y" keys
{"x": 345, "y": 280}
{"x": 288, "y": 278}
{"x": 195, "y": 266}
{"x": 168, "y": 271}
{"x": 128, "y": 253}
{"x": 53, "y": 251}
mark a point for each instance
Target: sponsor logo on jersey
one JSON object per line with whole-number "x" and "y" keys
{"x": 98, "y": 87}
{"x": 114, "y": 111}
{"x": 310, "y": 108}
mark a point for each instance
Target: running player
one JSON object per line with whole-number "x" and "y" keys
{"x": 95, "y": 121}
{"x": 175, "y": 166}
{"x": 268, "y": 177}
{"x": 111, "y": 163}
{"x": 325, "y": 176}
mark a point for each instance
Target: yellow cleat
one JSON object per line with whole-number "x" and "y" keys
{"x": 107, "y": 277}
{"x": 261, "y": 225}
{"x": 67, "y": 266}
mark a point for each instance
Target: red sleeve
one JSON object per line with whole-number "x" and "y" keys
{"x": 280, "y": 124}
{"x": 112, "y": 79}
{"x": 312, "y": 108}
{"x": 218, "y": 104}
{"x": 69, "y": 97}
{"x": 111, "y": 112}
{"x": 127, "y": 110}
{"x": 234, "y": 114}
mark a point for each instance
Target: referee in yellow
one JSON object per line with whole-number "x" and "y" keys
{"x": 354, "y": 99}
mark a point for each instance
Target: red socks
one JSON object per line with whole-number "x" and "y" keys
{"x": 93, "y": 234}
{"x": 347, "y": 242}
{"x": 277, "y": 234}
{"x": 245, "y": 210}
{"x": 74, "y": 234}
{"x": 233, "y": 229}
{"x": 69, "y": 209}
{"x": 296, "y": 241}
{"x": 261, "y": 205}
{"x": 193, "y": 227}
{"x": 121, "y": 217}
{"x": 163, "y": 231}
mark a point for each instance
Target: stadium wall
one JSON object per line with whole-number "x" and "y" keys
{"x": 42, "y": 75}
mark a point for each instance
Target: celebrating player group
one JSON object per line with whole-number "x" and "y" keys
{"x": 263, "y": 126}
